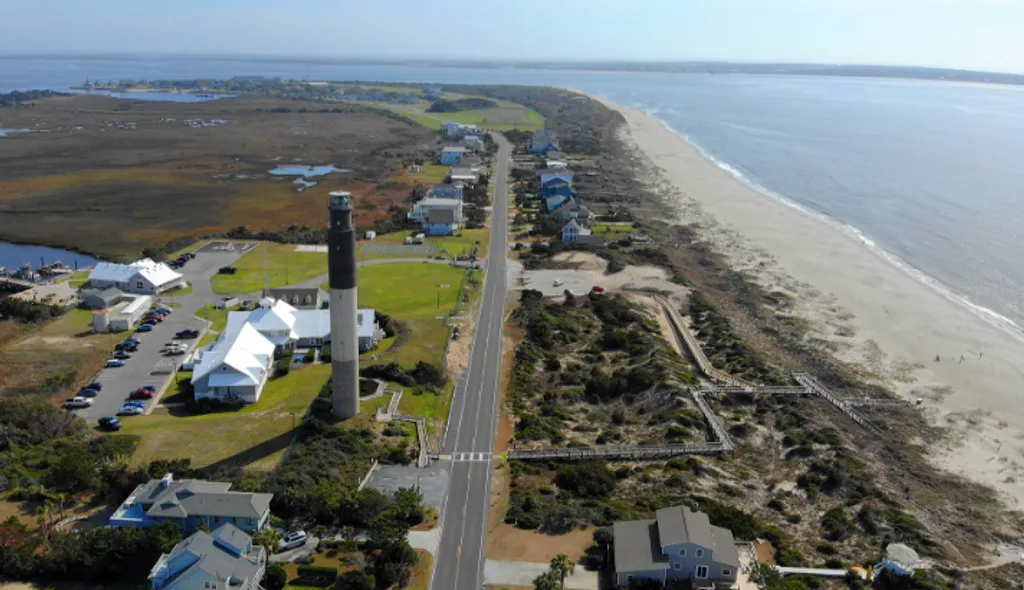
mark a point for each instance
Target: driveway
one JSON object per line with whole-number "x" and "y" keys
{"x": 299, "y": 552}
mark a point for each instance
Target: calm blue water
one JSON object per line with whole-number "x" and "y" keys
{"x": 12, "y": 256}
{"x": 306, "y": 171}
{"x": 928, "y": 174}
{"x": 157, "y": 96}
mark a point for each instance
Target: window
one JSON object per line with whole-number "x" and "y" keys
{"x": 702, "y": 571}
{"x": 726, "y": 571}
{"x": 700, "y": 553}
{"x": 677, "y": 566}
{"x": 682, "y": 552}
{"x": 209, "y": 585}
{"x": 629, "y": 578}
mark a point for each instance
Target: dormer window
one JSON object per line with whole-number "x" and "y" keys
{"x": 682, "y": 553}
{"x": 700, "y": 553}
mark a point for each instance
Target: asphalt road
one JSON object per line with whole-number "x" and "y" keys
{"x": 470, "y": 437}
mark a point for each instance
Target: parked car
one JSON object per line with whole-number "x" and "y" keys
{"x": 94, "y": 385}
{"x": 78, "y": 402}
{"x": 130, "y": 348}
{"x": 144, "y": 328}
{"x": 134, "y": 402}
{"x": 559, "y": 282}
{"x": 174, "y": 264}
{"x": 163, "y": 310}
{"x": 187, "y": 334}
{"x": 122, "y": 354}
{"x": 293, "y": 540}
{"x": 597, "y": 289}
{"x": 110, "y": 423}
{"x": 140, "y": 394}
{"x": 88, "y": 393}
{"x": 148, "y": 388}
{"x": 227, "y": 270}
{"x": 127, "y": 410}
{"x": 189, "y": 255}
{"x": 113, "y": 363}
{"x": 132, "y": 340}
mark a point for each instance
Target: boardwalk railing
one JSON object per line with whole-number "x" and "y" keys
{"x": 620, "y": 453}
{"x": 812, "y": 384}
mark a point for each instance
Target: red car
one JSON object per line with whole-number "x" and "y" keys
{"x": 155, "y": 316}
{"x": 141, "y": 394}
{"x": 597, "y": 289}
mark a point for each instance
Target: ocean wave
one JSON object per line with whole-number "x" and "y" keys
{"x": 989, "y": 316}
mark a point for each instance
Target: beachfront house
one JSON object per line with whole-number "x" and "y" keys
{"x": 679, "y": 544}
{"x": 441, "y": 222}
{"x": 452, "y": 154}
{"x": 445, "y": 191}
{"x": 422, "y": 208}
{"x": 547, "y": 176}
{"x": 544, "y": 141}
{"x": 224, "y": 558}
{"x": 473, "y": 142}
{"x": 557, "y": 188}
{"x": 190, "y": 503}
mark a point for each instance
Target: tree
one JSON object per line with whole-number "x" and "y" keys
{"x": 275, "y": 578}
{"x": 562, "y": 566}
{"x": 546, "y": 581}
{"x": 408, "y": 505}
{"x": 269, "y": 538}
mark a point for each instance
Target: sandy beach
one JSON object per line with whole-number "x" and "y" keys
{"x": 867, "y": 310}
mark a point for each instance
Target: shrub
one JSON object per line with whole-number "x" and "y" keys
{"x": 317, "y": 573}
{"x": 586, "y": 480}
{"x": 275, "y": 578}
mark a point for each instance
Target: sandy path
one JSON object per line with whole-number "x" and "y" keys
{"x": 876, "y": 314}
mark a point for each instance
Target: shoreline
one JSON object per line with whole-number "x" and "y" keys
{"x": 870, "y": 311}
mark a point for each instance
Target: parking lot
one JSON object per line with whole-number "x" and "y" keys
{"x": 411, "y": 249}
{"x": 148, "y": 366}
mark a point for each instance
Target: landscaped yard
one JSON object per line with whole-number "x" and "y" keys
{"x": 286, "y": 267}
{"x": 417, "y": 294}
{"x": 256, "y": 435}
{"x": 218, "y": 319}
{"x": 455, "y": 245}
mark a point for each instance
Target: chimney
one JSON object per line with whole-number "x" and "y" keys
{"x": 341, "y": 260}
{"x": 166, "y": 481}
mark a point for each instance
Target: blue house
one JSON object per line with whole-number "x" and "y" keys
{"x": 452, "y": 154}
{"x": 190, "y": 503}
{"x": 445, "y": 191}
{"x": 440, "y": 222}
{"x": 556, "y": 202}
{"x": 557, "y": 189}
{"x": 544, "y": 145}
{"x": 548, "y": 175}
{"x": 225, "y": 558}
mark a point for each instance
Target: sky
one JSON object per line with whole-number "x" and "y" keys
{"x": 970, "y": 34}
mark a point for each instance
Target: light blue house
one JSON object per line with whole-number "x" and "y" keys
{"x": 559, "y": 189}
{"x": 445, "y": 191}
{"x": 224, "y": 559}
{"x": 547, "y": 175}
{"x": 191, "y": 502}
{"x": 452, "y": 154}
{"x": 544, "y": 141}
{"x": 441, "y": 222}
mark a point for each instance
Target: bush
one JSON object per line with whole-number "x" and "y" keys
{"x": 316, "y": 573}
{"x": 275, "y": 578}
{"x": 586, "y": 480}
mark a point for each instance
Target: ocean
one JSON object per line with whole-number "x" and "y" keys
{"x": 926, "y": 174}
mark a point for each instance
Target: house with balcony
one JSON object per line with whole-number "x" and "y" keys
{"x": 678, "y": 544}
{"x": 224, "y": 559}
{"x": 190, "y": 503}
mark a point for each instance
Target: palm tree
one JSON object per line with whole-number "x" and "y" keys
{"x": 546, "y": 581}
{"x": 62, "y": 500}
{"x": 562, "y": 566}
{"x": 269, "y": 538}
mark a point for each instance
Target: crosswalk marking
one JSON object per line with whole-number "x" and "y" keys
{"x": 471, "y": 456}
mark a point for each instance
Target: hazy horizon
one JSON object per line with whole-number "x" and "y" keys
{"x": 981, "y": 35}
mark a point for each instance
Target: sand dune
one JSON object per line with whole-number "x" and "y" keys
{"x": 870, "y": 311}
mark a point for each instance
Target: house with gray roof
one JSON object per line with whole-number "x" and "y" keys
{"x": 191, "y": 502}
{"x": 225, "y": 558}
{"x": 298, "y": 297}
{"x": 100, "y": 298}
{"x": 679, "y": 544}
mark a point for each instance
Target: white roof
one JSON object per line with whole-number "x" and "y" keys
{"x": 454, "y": 148}
{"x": 156, "y": 273}
{"x": 366, "y": 320}
{"x": 242, "y": 349}
{"x": 438, "y": 202}
{"x": 135, "y": 304}
{"x": 313, "y": 323}
{"x": 273, "y": 316}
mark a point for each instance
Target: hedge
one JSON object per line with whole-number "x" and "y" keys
{"x": 318, "y": 573}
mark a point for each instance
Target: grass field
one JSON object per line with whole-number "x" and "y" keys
{"x": 218, "y": 317}
{"x": 504, "y": 117}
{"x": 612, "y": 231}
{"x": 455, "y": 245}
{"x": 411, "y": 292}
{"x": 286, "y": 267}
{"x": 255, "y": 435}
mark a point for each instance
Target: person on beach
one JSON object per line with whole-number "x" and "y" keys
{"x": 936, "y": 358}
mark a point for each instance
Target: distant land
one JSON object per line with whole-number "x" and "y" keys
{"x": 690, "y": 67}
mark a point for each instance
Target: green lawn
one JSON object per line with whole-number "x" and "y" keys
{"x": 411, "y": 292}
{"x": 255, "y": 435}
{"x": 455, "y": 245}
{"x": 218, "y": 317}
{"x": 611, "y": 227}
{"x": 493, "y": 118}
{"x": 286, "y": 267}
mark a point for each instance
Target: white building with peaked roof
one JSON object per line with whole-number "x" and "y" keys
{"x": 142, "y": 276}
{"x": 238, "y": 364}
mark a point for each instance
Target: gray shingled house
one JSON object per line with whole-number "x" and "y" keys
{"x": 191, "y": 502}
{"x": 679, "y": 544}
{"x": 225, "y": 558}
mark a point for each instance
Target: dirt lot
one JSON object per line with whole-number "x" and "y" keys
{"x": 509, "y": 543}
{"x": 130, "y": 174}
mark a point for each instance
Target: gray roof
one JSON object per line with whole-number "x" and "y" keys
{"x": 590, "y": 240}
{"x": 681, "y": 525}
{"x": 441, "y": 216}
{"x": 289, "y": 293}
{"x": 108, "y": 295}
{"x": 637, "y": 547}
{"x": 725, "y": 547}
{"x": 213, "y": 558}
{"x": 455, "y": 148}
{"x": 178, "y": 499}
{"x": 232, "y": 536}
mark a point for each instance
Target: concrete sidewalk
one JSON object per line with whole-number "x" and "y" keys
{"x": 522, "y": 573}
